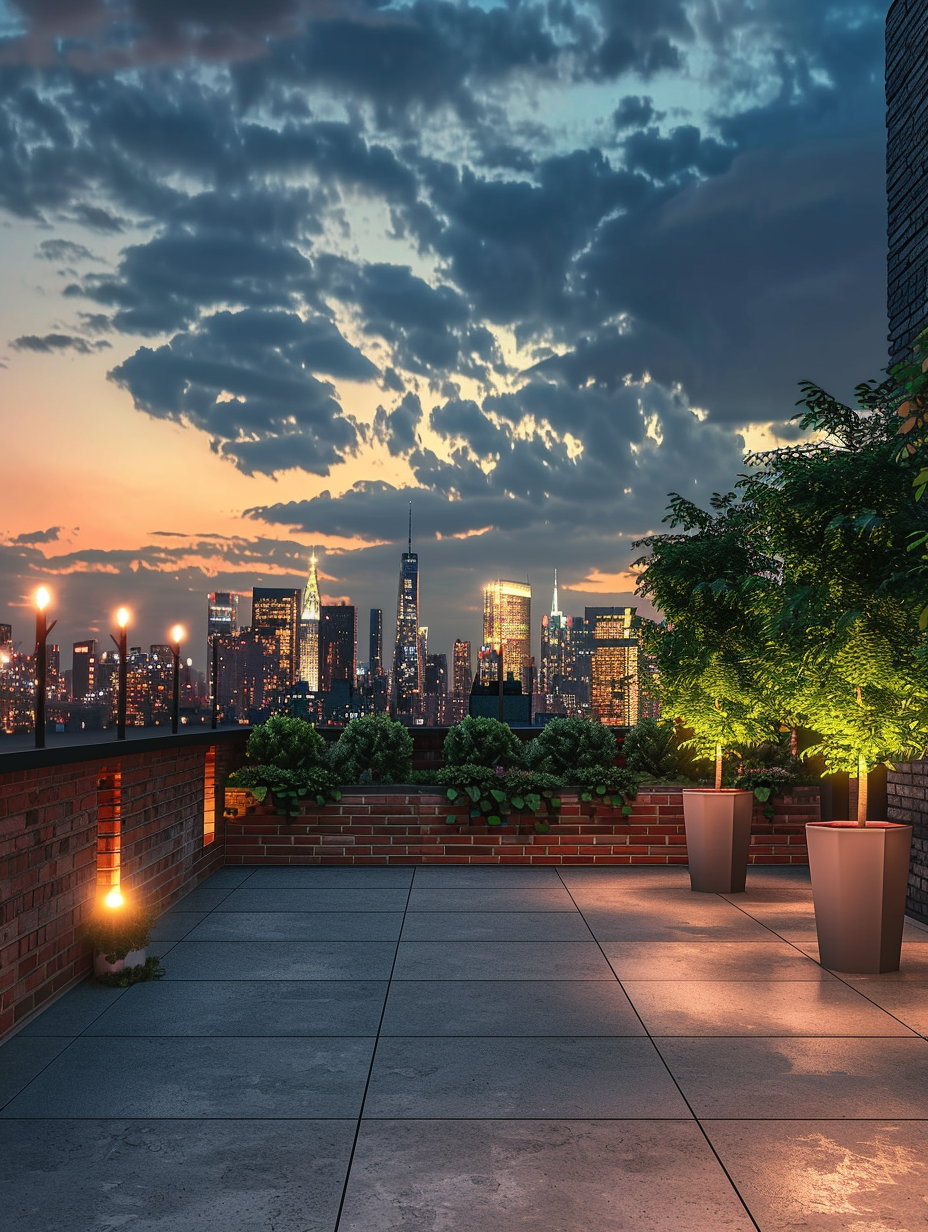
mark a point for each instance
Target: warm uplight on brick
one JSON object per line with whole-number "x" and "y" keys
{"x": 114, "y": 899}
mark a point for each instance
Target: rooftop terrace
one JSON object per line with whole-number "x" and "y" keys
{"x": 471, "y": 1049}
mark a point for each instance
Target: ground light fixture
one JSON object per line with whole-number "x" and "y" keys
{"x": 122, "y": 619}
{"x": 42, "y": 630}
{"x": 177, "y": 636}
{"x": 114, "y": 899}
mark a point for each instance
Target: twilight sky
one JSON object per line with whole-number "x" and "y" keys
{"x": 271, "y": 270}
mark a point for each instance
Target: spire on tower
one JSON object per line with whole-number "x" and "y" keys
{"x": 555, "y": 610}
{"x": 409, "y": 548}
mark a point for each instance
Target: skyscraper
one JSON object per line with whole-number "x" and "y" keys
{"x": 221, "y": 621}
{"x": 375, "y": 645}
{"x": 614, "y": 650}
{"x": 461, "y": 680}
{"x": 276, "y": 613}
{"x": 338, "y": 645}
{"x": 507, "y": 621}
{"x": 309, "y": 630}
{"x": 406, "y": 671}
{"x": 435, "y": 690}
{"x": 83, "y": 669}
{"x": 555, "y": 650}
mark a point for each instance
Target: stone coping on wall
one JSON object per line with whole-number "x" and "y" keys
{"x": 400, "y": 824}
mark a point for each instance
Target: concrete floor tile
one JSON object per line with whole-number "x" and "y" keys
{"x": 175, "y": 925}
{"x": 828, "y": 1176}
{"x": 203, "y": 898}
{"x": 332, "y": 876}
{"x": 299, "y": 926}
{"x": 509, "y": 1008}
{"x": 228, "y": 877}
{"x": 507, "y": 960}
{"x": 687, "y": 920}
{"x": 484, "y": 876}
{"x": 196, "y": 1078}
{"x": 563, "y": 1077}
{"x": 281, "y": 960}
{"x": 75, "y": 1011}
{"x": 23, "y": 1058}
{"x": 710, "y": 960}
{"x": 906, "y": 1000}
{"x": 757, "y": 1007}
{"x": 776, "y": 1079}
{"x": 790, "y": 920}
{"x": 308, "y": 898}
{"x": 174, "y": 1176}
{"x": 246, "y": 1008}
{"x": 480, "y": 898}
{"x": 625, "y": 876}
{"x": 495, "y": 926}
{"x": 538, "y": 1176}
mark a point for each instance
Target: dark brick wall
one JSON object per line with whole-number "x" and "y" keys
{"x": 907, "y": 800}
{"x": 907, "y": 173}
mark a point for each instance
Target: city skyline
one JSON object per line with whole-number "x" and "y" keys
{"x": 534, "y": 268}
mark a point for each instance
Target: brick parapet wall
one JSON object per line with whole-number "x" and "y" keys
{"x": 410, "y": 826}
{"x": 49, "y": 855}
{"x": 907, "y": 801}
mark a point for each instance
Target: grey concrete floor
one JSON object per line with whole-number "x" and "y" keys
{"x": 476, "y": 1050}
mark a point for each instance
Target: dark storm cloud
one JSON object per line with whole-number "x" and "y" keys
{"x": 31, "y": 538}
{"x": 64, "y": 250}
{"x": 633, "y": 112}
{"x": 48, "y": 344}
{"x": 247, "y": 380}
{"x": 398, "y": 429}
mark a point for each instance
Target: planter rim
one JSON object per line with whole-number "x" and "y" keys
{"x": 877, "y": 826}
{"x": 717, "y": 791}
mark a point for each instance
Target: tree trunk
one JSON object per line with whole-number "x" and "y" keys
{"x": 861, "y": 790}
{"x": 794, "y": 741}
{"x": 718, "y": 767}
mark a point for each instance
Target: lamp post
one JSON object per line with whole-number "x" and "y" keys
{"x": 215, "y": 678}
{"x": 42, "y": 630}
{"x": 177, "y": 634}
{"x": 501, "y": 707}
{"x": 122, "y": 619}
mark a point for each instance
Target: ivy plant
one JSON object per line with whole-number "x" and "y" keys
{"x": 288, "y": 788}
{"x": 500, "y": 798}
{"x": 606, "y": 787}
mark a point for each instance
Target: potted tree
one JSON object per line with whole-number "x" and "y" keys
{"x": 839, "y": 513}
{"x": 708, "y": 578}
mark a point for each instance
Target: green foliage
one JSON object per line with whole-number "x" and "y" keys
{"x": 289, "y": 788}
{"x": 501, "y": 798}
{"x": 115, "y": 932}
{"x": 150, "y": 969}
{"x": 373, "y": 749}
{"x": 606, "y": 787}
{"x": 650, "y": 748}
{"x": 287, "y": 743}
{"x": 767, "y": 782}
{"x": 483, "y": 742}
{"x": 566, "y": 746}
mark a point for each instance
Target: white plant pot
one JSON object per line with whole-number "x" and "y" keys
{"x": 135, "y": 958}
{"x": 718, "y": 836}
{"x": 859, "y": 880}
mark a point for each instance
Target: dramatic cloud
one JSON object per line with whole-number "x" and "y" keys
{"x": 31, "y": 538}
{"x": 47, "y": 344}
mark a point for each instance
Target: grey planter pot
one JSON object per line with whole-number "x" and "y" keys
{"x": 135, "y": 958}
{"x": 718, "y": 836}
{"x": 859, "y": 879}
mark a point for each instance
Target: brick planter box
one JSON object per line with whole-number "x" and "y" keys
{"x": 408, "y": 825}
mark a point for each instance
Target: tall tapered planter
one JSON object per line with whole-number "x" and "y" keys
{"x": 859, "y": 878}
{"x": 718, "y": 835}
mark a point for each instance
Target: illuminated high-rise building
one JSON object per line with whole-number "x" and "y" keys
{"x": 507, "y": 621}
{"x": 338, "y": 645}
{"x": 555, "y": 650}
{"x": 406, "y": 669}
{"x": 462, "y": 677}
{"x": 83, "y": 669}
{"x": 309, "y": 629}
{"x": 614, "y": 656}
{"x": 276, "y": 613}
{"x": 221, "y": 621}
{"x": 375, "y": 644}
{"x": 435, "y": 690}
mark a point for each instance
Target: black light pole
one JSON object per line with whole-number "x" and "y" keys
{"x": 215, "y": 649}
{"x": 501, "y": 682}
{"x": 177, "y": 633}
{"x": 42, "y": 631}
{"x": 122, "y": 619}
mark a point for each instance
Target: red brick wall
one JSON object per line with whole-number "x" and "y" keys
{"x": 49, "y": 855}
{"x": 404, "y": 826}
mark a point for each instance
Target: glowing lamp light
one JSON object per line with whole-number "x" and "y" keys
{"x": 114, "y": 899}
{"x": 42, "y": 598}
{"x": 178, "y": 633}
{"x": 190, "y": 662}
{"x": 122, "y": 617}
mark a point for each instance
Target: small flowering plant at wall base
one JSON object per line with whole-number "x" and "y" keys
{"x": 500, "y": 796}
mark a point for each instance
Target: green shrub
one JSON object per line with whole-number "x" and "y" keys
{"x": 114, "y": 932}
{"x": 482, "y": 742}
{"x": 606, "y": 786}
{"x": 567, "y": 746}
{"x": 501, "y": 798}
{"x": 288, "y": 787}
{"x": 766, "y": 783}
{"x": 373, "y": 749}
{"x": 650, "y": 748}
{"x": 287, "y": 743}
